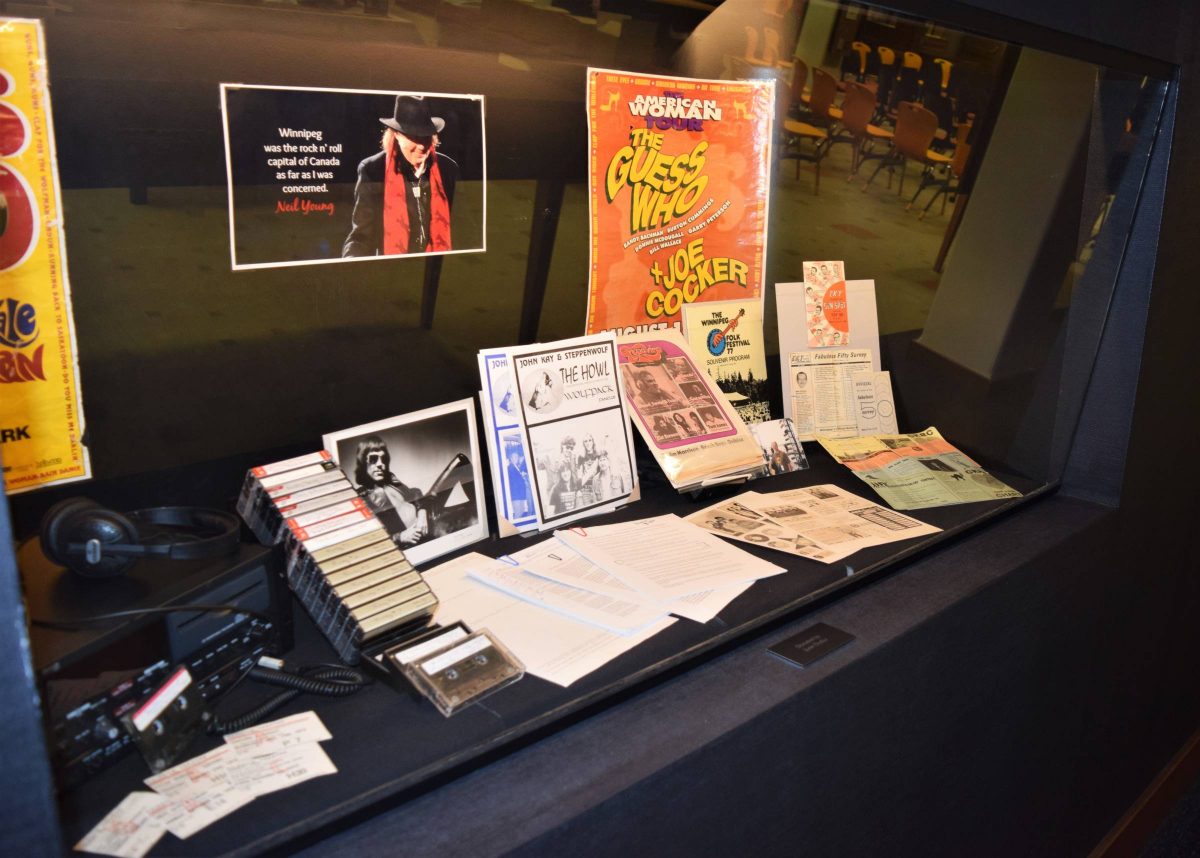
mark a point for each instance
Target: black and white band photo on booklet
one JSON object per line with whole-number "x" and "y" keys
{"x": 420, "y": 474}
{"x": 336, "y": 175}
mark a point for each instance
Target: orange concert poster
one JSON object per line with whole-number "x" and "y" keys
{"x": 679, "y": 186}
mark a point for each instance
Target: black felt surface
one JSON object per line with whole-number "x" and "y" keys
{"x": 389, "y": 747}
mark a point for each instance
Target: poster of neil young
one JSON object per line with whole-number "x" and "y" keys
{"x": 335, "y": 175}
{"x": 679, "y": 182}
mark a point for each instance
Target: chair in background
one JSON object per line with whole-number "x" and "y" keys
{"x": 944, "y": 71}
{"x": 887, "y": 77}
{"x": 772, "y": 53}
{"x": 858, "y": 111}
{"x": 799, "y": 96}
{"x": 799, "y": 139}
{"x": 860, "y": 100}
{"x": 915, "y": 127}
{"x": 908, "y": 82}
{"x": 958, "y": 163}
{"x": 803, "y": 141}
{"x": 930, "y": 160}
{"x": 942, "y": 107}
{"x": 771, "y": 57}
{"x": 750, "y": 55}
{"x": 863, "y": 52}
{"x": 824, "y": 91}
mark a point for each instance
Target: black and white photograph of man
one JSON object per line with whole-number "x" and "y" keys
{"x": 393, "y": 502}
{"x": 420, "y": 475}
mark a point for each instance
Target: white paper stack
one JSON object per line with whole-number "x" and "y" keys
{"x": 569, "y": 604}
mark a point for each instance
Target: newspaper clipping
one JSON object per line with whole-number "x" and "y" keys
{"x": 821, "y": 389}
{"x": 917, "y": 470}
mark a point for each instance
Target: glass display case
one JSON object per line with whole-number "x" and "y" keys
{"x": 988, "y": 187}
{"x": 976, "y": 264}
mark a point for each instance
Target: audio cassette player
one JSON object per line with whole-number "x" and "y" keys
{"x": 91, "y": 674}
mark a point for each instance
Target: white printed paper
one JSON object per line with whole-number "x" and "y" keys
{"x": 665, "y": 557}
{"x": 280, "y": 733}
{"x": 129, "y": 830}
{"x": 258, "y": 772}
{"x": 835, "y": 517}
{"x": 874, "y": 404}
{"x": 551, "y": 646}
{"x": 512, "y": 487}
{"x": 703, "y": 607}
{"x": 202, "y": 788}
{"x": 622, "y": 616}
{"x": 821, "y": 390}
{"x": 555, "y": 560}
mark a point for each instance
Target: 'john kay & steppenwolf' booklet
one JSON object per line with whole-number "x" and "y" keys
{"x": 573, "y": 416}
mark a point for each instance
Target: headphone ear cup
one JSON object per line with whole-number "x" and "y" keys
{"x": 81, "y": 522}
{"x": 53, "y": 524}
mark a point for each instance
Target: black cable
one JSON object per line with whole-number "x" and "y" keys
{"x": 328, "y": 680}
{"x": 74, "y": 625}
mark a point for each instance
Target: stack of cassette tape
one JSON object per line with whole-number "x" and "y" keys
{"x": 342, "y": 564}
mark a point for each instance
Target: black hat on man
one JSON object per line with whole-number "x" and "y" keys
{"x": 412, "y": 118}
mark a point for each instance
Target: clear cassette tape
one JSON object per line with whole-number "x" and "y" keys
{"x": 467, "y": 670}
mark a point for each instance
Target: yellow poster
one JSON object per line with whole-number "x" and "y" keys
{"x": 41, "y": 419}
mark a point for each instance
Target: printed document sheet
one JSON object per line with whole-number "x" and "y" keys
{"x": 666, "y": 557}
{"x": 554, "y": 647}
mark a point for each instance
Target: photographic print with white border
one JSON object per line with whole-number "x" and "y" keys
{"x": 309, "y": 181}
{"x": 421, "y": 475}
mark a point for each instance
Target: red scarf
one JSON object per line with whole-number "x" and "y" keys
{"x": 395, "y": 208}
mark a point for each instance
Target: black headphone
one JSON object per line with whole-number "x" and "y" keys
{"x": 100, "y": 543}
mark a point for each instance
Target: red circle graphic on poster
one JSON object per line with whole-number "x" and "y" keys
{"x": 17, "y": 220}
{"x": 834, "y": 307}
{"x": 14, "y": 133}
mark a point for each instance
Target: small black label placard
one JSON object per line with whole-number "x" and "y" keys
{"x": 812, "y": 644}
